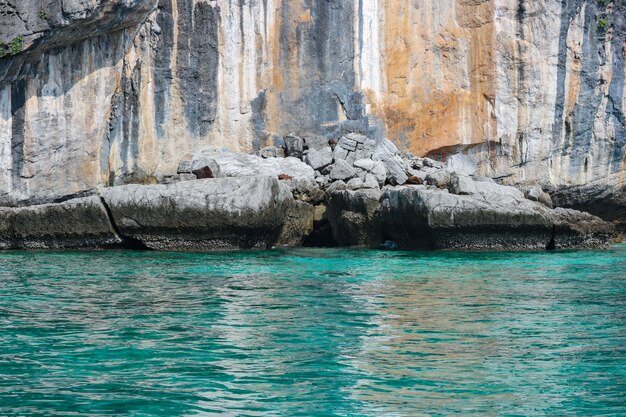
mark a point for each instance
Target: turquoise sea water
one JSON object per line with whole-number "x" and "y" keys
{"x": 313, "y": 332}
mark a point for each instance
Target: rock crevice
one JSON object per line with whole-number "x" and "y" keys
{"x": 126, "y": 242}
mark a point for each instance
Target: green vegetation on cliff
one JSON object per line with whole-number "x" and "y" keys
{"x": 603, "y": 23}
{"x": 13, "y": 48}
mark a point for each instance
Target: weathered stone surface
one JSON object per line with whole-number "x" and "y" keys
{"x": 358, "y": 138}
{"x": 385, "y": 150}
{"x": 171, "y": 178}
{"x": 210, "y": 214}
{"x": 546, "y": 200}
{"x": 340, "y": 153}
{"x": 81, "y": 223}
{"x": 271, "y": 152}
{"x": 479, "y": 178}
{"x": 294, "y": 146}
{"x": 321, "y": 181}
{"x": 390, "y": 147}
{"x": 342, "y": 170}
{"x": 375, "y": 168}
{"x": 336, "y": 186}
{"x": 419, "y": 218}
{"x": 230, "y": 164}
{"x": 354, "y": 184}
{"x": 418, "y": 174}
{"x": 533, "y": 193}
{"x": 439, "y": 178}
{"x": 396, "y": 172}
{"x": 319, "y": 159}
{"x": 366, "y": 149}
{"x": 58, "y": 23}
{"x": 201, "y": 166}
{"x": 347, "y": 143}
{"x": 306, "y": 190}
{"x": 431, "y": 163}
{"x": 598, "y": 196}
{"x": 415, "y": 163}
{"x": 396, "y": 168}
{"x": 352, "y": 217}
{"x": 112, "y": 92}
{"x": 576, "y": 229}
{"x": 319, "y": 213}
{"x": 488, "y": 189}
{"x": 297, "y": 224}
{"x": 371, "y": 181}
{"x": 457, "y": 163}
{"x": 316, "y": 142}
{"x": 462, "y": 185}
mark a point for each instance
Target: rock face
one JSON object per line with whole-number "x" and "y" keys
{"x": 438, "y": 220}
{"x": 77, "y": 224}
{"x": 105, "y": 92}
{"x": 209, "y": 214}
{"x": 597, "y": 197}
{"x": 222, "y": 200}
{"x": 319, "y": 159}
{"x": 351, "y": 215}
{"x": 417, "y": 217}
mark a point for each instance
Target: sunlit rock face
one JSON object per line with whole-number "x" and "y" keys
{"x": 111, "y": 92}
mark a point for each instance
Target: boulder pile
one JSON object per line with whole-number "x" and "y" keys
{"x": 366, "y": 193}
{"x": 313, "y": 191}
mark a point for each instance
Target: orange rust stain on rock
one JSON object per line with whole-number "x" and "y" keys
{"x": 290, "y": 27}
{"x": 574, "y": 69}
{"x": 87, "y": 170}
{"x": 397, "y": 46}
{"x": 276, "y": 82}
{"x": 305, "y": 16}
{"x": 481, "y": 68}
{"x": 284, "y": 55}
{"x": 430, "y": 125}
{"x": 398, "y": 106}
{"x": 440, "y": 78}
{"x": 476, "y": 18}
{"x": 573, "y": 89}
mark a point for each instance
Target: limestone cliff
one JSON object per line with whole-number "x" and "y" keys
{"x": 103, "y": 92}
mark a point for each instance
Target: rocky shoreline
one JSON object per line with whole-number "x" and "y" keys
{"x": 354, "y": 192}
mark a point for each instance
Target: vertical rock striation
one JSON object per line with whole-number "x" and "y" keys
{"x": 114, "y": 92}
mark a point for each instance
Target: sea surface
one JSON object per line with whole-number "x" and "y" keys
{"x": 313, "y": 332}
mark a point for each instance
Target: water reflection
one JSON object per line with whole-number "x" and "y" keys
{"x": 313, "y": 332}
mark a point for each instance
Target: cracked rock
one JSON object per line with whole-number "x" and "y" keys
{"x": 319, "y": 159}
{"x": 342, "y": 170}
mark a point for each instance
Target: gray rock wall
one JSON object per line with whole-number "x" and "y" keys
{"x": 77, "y": 223}
{"x": 209, "y": 214}
{"x": 113, "y": 92}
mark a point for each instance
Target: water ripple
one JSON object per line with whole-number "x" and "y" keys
{"x": 308, "y": 332}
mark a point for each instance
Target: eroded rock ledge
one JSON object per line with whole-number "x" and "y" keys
{"x": 415, "y": 217}
{"x": 209, "y": 214}
{"x": 42, "y": 26}
{"x": 73, "y": 224}
{"x": 356, "y": 192}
